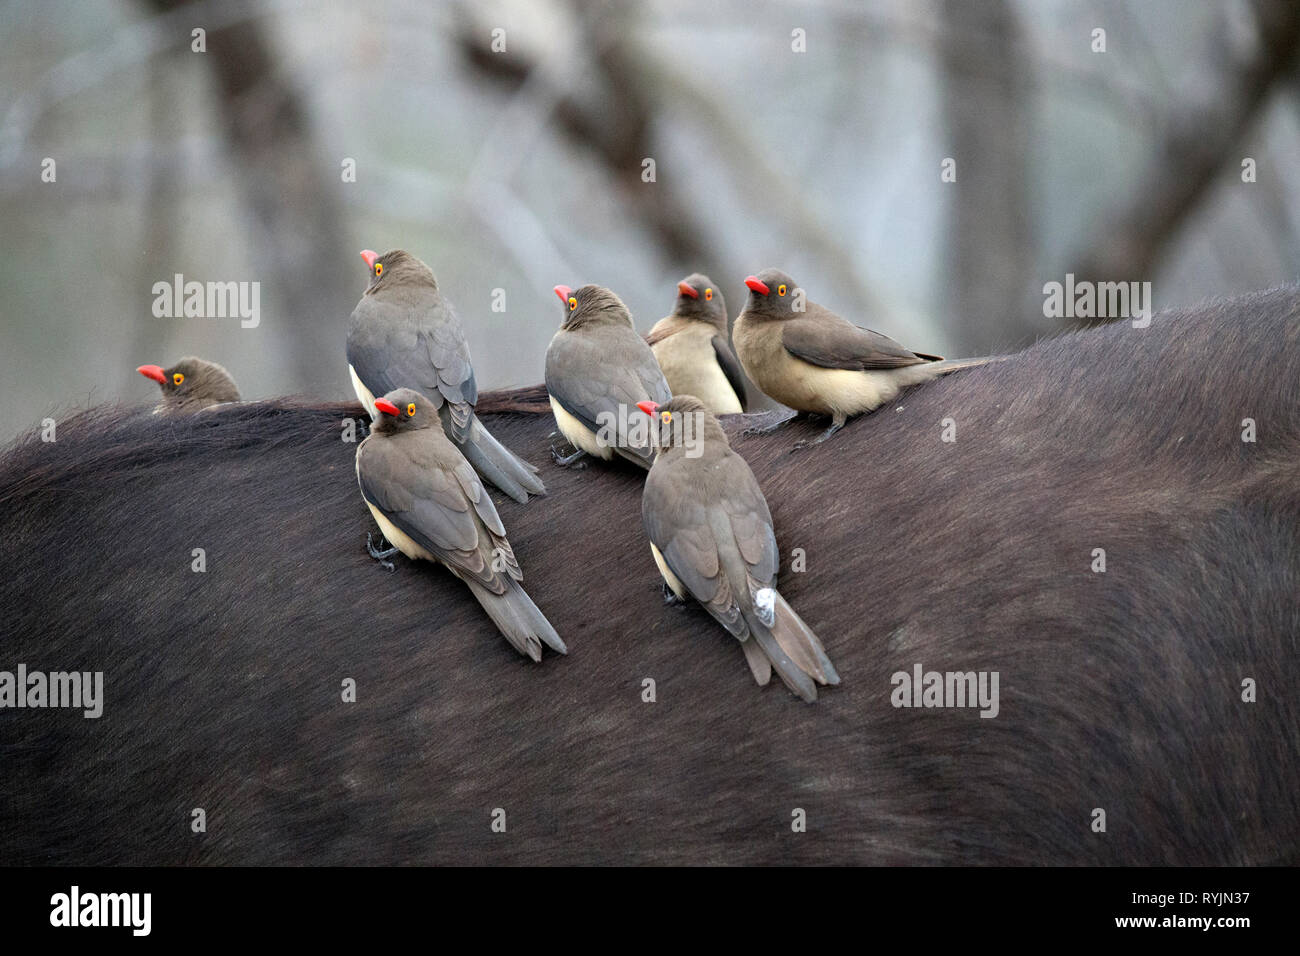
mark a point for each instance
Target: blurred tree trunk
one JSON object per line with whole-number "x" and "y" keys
{"x": 152, "y": 342}
{"x": 990, "y": 259}
{"x": 293, "y": 206}
{"x": 1198, "y": 141}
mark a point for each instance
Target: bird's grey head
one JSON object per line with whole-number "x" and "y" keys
{"x": 773, "y": 295}
{"x": 683, "y": 422}
{"x": 395, "y": 268}
{"x": 192, "y": 382}
{"x": 404, "y": 410}
{"x": 699, "y": 299}
{"x": 591, "y": 304}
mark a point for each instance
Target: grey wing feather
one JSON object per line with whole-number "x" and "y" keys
{"x": 391, "y": 345}
{"x": 684, "y": 536}
{"x": 588, "y": 387}
{"x": 687, "y": 535}
{"x": 434, "y": 506}
{"x": 730, "y": 368}
{"x": 823, "y": 338}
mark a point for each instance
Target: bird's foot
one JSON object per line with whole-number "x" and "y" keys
{"x": 670, "y": 596}
{"x": 380, "y": 554}
{"x": 564, "y": 461}
{"x": 768, "y": 429}
{"x": 808, "y": 443}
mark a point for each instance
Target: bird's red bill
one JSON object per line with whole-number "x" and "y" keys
{"x": 563, "y": 291}
{"x": 757, "y": 285}
{"x": 385, "y": 406}
{"x": 686, "y": 289}
{"x": 370, "y": 256}
{"x": 154, "y": 372}
{"x": 648, "y": 407}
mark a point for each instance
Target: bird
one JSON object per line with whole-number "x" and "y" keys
{"x": 692, "y": 348}
{"x": 190, "y": 385}
{"x": 430, "y": 504}
{"x": 711, "y": 535}
{"x": 807, "y": 357}
{"x": 597, "y": 370}
{"x": 404, "y": 334}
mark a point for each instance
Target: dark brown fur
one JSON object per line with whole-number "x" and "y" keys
{"x": 1118, "y": 690}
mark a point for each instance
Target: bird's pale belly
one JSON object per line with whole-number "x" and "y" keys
{"x": 691, "y": 367}
{"x": 363, "y": 394}
{"x": 578, "y": 434}
{"x": 397, "y": 537}
{"x": 673, "y": 581}
{"x": 827, "y": 391}
{"x": 831, "y": 391}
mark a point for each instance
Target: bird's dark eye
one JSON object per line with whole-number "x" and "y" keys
{"x": 666, "y": 417}
{"x": 379, "y": 269}
{"x": 177, "y": 378}
{"x": 573, "y": 303}
{"x": 410, "y": 410}
{"x": 708, "y": 294}
{"x": 780, "y": 290}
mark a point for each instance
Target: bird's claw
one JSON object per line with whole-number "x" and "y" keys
{"x": 380, "y": 554}
{"x": 766, "y": 429}
{"x": 670, "y": 596}
{"x": 809, "y": 442}
{"x": 565, "y": 461}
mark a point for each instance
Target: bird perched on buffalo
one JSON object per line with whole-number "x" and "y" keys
{"x": 807, "y": 357}
{"x": 191, "y": 384}
{"x": 404, "y": 334}
{"x": 430, "y": 504}
{"x": 693, "y": 350}
{"x": 711, "y": 535}
{"x": 597, "y": 370}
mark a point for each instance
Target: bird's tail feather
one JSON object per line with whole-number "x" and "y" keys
{"x": 518, "y": 619}
{"x": 499, "y": 465}
{"x": 794, "y": 678}
{"x": 758, "y": 663}
{"x": 944, "y": 366}
{"x": 801, "y": 644}
{"x": 789, "y": 647}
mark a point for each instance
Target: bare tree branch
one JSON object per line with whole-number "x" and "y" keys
{"x": 1196, "y": 144}
{"x": 615, "y": 125}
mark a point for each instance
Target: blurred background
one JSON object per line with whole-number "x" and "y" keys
{"x": 505, "y": 143}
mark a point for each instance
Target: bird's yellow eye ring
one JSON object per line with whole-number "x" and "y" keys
{"x": 379, "y": 269}
{"x": 708, "y": 294}
{"x": 780, "y": 290}
{"x": 177, "y": 378}
{"x": 573, "y": 303}
{"x": 410, "y": 410}
{"x": 666, "y": 417}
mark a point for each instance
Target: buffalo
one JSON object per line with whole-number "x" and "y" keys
{"x": 1109, "y": 521}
